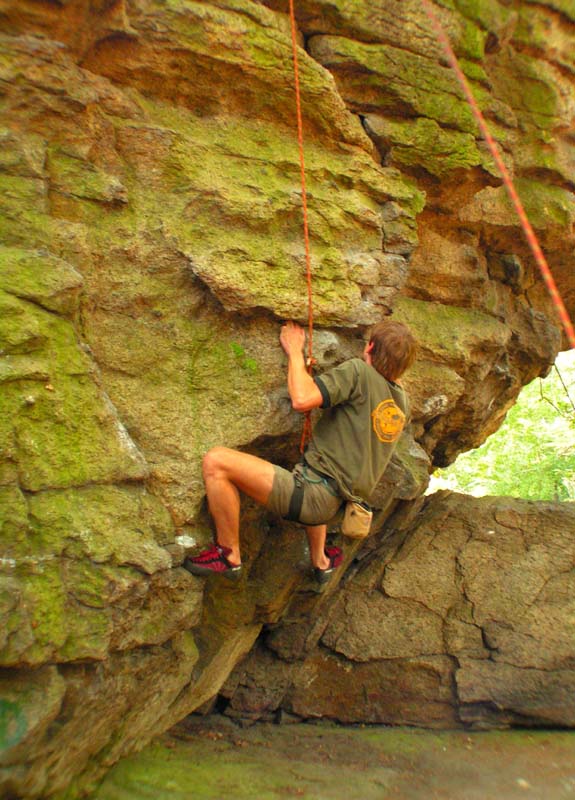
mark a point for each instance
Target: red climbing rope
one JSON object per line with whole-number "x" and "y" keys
{"x": 509, "y": 185}
{"x": 491, "y": 143}
{"x": 306, "y": 433}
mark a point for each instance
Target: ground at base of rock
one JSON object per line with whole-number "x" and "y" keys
{"x": 214, "y": 759}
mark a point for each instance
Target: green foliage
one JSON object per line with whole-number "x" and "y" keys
{"x": 532, "y": 455}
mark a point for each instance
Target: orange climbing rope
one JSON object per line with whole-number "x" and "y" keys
{"x": 509, "y": 185}
{"x": 306, "y": 433}
{"x": 491, "y": 143}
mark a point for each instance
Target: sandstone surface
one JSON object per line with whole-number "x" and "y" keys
{"x": 151, "y": 242}
{"x": 461, "y": 616}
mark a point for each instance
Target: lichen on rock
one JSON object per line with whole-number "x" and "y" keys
{"x": 151, "y": 225}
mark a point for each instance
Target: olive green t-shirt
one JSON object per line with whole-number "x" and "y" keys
{"x": 363, "y": 419}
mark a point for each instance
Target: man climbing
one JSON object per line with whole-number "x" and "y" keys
{"x": 365, "y": 412}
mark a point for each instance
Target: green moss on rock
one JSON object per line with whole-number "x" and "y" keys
{"x": 236, "y": 212}
{"x": 47, "y": 608}
{"x": 40, "y": 277}
{"x": 64, "y": 432}
{"x": 423, "y": 143}
{"x": 451, "y": 333}
{"x": 13, "y": 514}
{"x": 23, "y": 368}
{"x": 79, "y": 178}
{"x": 84, "y": 552}
{"x": 548, "y": 207}
{"x": 472, "y": 42}
{"x": 565, "y": 7}
{"x": 388, "y": 80}
{"x": 22, "y": 154}
{"x": 103, "y": 523}
{"x": 537, "y": 29}
{"x": 20, "y": 329}
{"x": 24, "y": 212}
{"x": 530, "y": 87}
{"x": 491, "y": 15}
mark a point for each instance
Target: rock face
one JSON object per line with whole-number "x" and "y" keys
{"x": 461, "y": 616}
{"x": 151, "y": 242}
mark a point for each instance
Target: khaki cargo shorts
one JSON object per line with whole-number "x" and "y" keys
{"x": 320, "y": 503}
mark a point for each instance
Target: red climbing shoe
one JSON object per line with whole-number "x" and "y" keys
{"x": 335, "y": 556}
{"x": 213, "y": 561}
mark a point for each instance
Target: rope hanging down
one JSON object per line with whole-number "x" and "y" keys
{"x": 509, "y": 185}
{"x": 491, "y": 143}
{"x": 306, "y": 433}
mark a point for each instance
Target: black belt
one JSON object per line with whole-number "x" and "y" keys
{"x": 295, "y": 503}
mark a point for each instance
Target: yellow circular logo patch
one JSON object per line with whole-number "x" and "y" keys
{"x": 388, "y": 421}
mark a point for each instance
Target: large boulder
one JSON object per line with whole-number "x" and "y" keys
{"x": 151, "y": 244}
{"x": 461, "y": 616}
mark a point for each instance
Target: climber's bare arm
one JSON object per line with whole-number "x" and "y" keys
{"x": 302, "y": 389}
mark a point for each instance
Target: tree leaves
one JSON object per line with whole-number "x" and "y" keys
{"x": 532, "y": 455}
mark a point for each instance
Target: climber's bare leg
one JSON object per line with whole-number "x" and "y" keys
{"x": 226, "y": 473}
{"x": 316, "y": 537}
